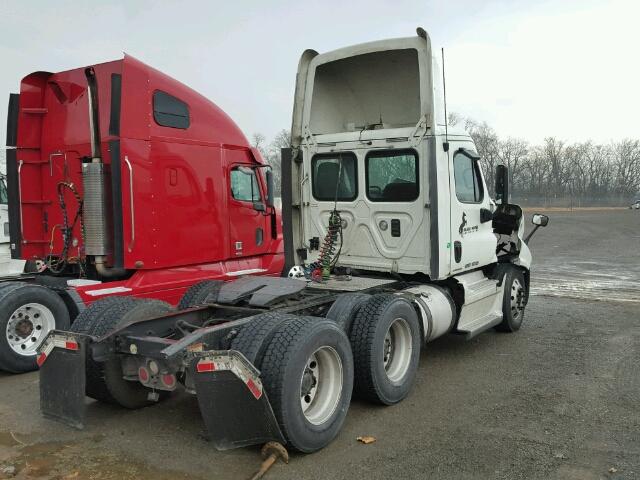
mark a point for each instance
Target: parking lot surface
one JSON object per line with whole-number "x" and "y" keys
{"x": 557, "y": 400}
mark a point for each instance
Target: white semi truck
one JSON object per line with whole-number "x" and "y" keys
{"x": 392, "y": 240}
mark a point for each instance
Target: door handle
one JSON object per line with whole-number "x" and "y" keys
{"x": 131, "y": 204}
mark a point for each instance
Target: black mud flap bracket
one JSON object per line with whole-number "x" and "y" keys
{"x": 62, "y": 360}
{"x": 232, "y": 400}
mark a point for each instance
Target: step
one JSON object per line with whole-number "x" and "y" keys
{"x": 477, "y": 286}
{"x": 482, "y": 307}
{"x": 479, "y": 325}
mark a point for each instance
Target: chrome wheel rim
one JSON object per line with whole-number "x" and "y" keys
{"x": 396, "y": 352}
{"x": 321, "y": 385}
{"x": 27, "y": 328}
{"x": 517, "y": 299}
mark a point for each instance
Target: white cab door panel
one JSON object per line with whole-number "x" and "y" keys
{"x": 473, "y": 243}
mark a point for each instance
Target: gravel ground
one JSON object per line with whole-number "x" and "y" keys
{"x": 557, "y": 400}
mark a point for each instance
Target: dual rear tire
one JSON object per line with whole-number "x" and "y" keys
{"x": 310, "y": 366}
{"x": 105, "y": 380}
{"x": 307, "y": 368}
{"x": 386, "y": 339}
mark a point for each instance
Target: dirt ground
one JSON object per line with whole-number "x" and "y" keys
{"x": 558, "y": 400}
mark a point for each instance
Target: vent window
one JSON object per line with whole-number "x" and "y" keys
{"x": 170, "y": 112}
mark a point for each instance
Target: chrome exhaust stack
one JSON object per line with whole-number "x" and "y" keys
{"x": 96, "y": 212}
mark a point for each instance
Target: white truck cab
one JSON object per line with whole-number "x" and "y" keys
{"x": 369, "y": 142}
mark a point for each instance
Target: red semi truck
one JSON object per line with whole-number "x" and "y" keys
{"x": 123, "y": 181}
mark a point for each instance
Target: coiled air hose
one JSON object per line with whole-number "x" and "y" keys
{"x": 327, "y": 256}
{"x": 57, "y": 263}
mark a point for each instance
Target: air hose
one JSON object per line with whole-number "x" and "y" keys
{"x": 327, "y": 256}
{"x": 57, "y": 263}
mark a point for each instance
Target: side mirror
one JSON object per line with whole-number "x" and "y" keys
{"x": 486, "y": 215}
{"x": 259, "y": 207}
{"x": 540, "y": 220}
{"x": 502, "y": 185}
{"x": 270, "y": 189}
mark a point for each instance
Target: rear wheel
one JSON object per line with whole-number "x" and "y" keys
{"x": 345, "y": 308}
{"x": 307, "y": 371}
{"x": 386, "y": 340}
{"x": 255, "y": 336}
{"x": 105, "y": 380}
{"x": 27, "y": 314}
{"x": 198, "y": 293}
{"x": 513, "y": 301}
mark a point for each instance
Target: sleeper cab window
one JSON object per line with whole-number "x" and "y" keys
{"x": 466, "y": 172}
{"x": 334, "y": 177}
{"x": 392, "y": 176}
{"x": 168, "y": 111}
{"x": 244, "y": 185}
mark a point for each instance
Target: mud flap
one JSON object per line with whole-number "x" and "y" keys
{"x": 62, "y": 360}
{"x": 234, "y": 407}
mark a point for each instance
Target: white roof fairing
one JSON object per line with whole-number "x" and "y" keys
{"x": 353, "y": 88}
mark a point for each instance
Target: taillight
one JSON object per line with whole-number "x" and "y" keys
{"x": 168, "y": 380}
{"x": 143, "y": 374}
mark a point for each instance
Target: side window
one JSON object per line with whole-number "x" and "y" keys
{"x": 392, "y": 176}
{"x": 168, "y": 111}
{"x": 467, "y": 178}
{"x": 334, "y": 172}
{"x": 244, "y": 185}
{"x": 4, "y": 199}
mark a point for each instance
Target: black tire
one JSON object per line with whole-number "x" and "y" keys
{"x": 255, "y": 336}
{"x": 15, "y": 296}
{"x": 514, "y": 301}
{"x": 104, "y": 379}
{"x": 198, "y": 293}
{"x": 282, "y": 367}
{"x": 85, "y": 320}
{"x": 345, "y": 308}
{"x": 368, "y": 333}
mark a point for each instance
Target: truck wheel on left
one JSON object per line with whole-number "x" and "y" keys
{"x": 27, "y": 314}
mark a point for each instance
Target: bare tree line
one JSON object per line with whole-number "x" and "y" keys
{"x": 555, "y": 173}
{"x": 271, "y": 153}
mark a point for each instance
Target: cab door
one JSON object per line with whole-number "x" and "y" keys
{"x": 248, "y": 219}
{"x": 473, "y": 243}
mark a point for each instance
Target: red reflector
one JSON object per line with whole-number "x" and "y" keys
{"x": 206, "y": 367}
{"x": 71, "y": 345}
{"x": 143, "y": 375}
{"x": 254, "y": 389}
{"x": 168, "y": 380}
{"x": 41, "y": 358}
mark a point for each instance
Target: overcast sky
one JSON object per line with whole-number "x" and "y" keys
{"x": 530, "y": 69}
